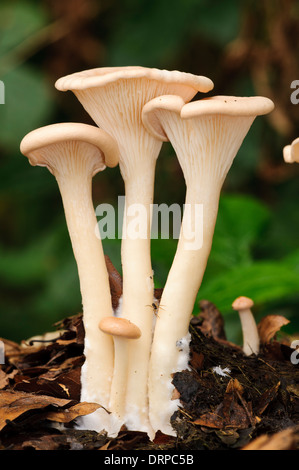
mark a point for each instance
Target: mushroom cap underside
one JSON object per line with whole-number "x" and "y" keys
{"x": 66, "y": 132}
{"x": 150, "y": 111}
{"x": 222, "y": 105}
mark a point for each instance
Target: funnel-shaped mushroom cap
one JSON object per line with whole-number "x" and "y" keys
{"x": 291, "y": 152}
{"x": 150, "y": 114}
{"x": 105, "y": 147}
{"x": 114, "y": 98}
{"x": 204, "y": 133}
{"x": 102, "y": 76}
{"x": 228, "y": 106}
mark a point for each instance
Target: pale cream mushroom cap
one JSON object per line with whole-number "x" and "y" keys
{"x": 242, "y": 303}
{"x": 228, "y": 106}
{"x": 120, "y": 327}
{"x": 71, "y": 131}
{"x": 102, "y": 76}
{"x": 291, "y": 152}
{"x": 287, "y": 154}
{"x": 150, "y": 111}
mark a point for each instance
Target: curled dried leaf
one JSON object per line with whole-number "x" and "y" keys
{"x": 269, "y": 326}
{"x": 14, "y": 404}
{"x": 69, "y": 414}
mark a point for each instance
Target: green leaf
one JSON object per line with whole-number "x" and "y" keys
{"x": 18, "y": 20}
{"x": 264, "y": 281}
{"x": 28, "y": 104}
{"x": 240, "y": 223}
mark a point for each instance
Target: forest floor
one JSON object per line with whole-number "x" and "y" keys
{"x": 228, "y": 400}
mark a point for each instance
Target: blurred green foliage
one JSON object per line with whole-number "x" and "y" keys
{"x": 245, "y": 48}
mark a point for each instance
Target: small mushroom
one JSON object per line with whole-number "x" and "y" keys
{"x": 291, "y": 152}
{"x": 114, "y": 98}
{"x": 206, "y": 136}
{"x": 122, "y": 331}
{"x": 251, "y": 340}
{"x": 74, "y": 153}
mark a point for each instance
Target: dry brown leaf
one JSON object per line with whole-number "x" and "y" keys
{"x": 14, "y": 404}
{"x": 197, "y": 360}
{"x": 41, "y": 443}
{"x": 283, "y": 440}
{"x": 69, "y": 414}
{"x": 105, "y": 446}
{"x": 229, "y": 414}
{"x": 115, "y": 282}
{"x": 266, "y": 398}
{"x": 212, "y": 320}
{"x": 211, "y": 419}
{"x": 269, "y": 326}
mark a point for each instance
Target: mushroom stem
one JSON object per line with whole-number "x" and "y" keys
{"x": 251, "y": 339}
{"x": 167, "y": 356}
{"x": 117, "y": 401}
{"x": 81, "y": 222}
{"x": 122, "y": 331}
{"x": 138, "y": 291}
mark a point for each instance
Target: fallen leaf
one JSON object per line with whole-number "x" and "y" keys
{"x": 61, "y": 385}
{"x": 282, "y": 440}
{"x": 197, "y": 360}
{"x": 41, "y": 443}
{"x": 266, "y": 398}
{"x": 14, "y": 404}
{"x": 115, "y": 281}
{"x": 4, "y": 378}
{"x": 69, "y": 414}
{"x": 293, "y": 389}
{"x": 269, "y": 326}
{"x": 212, "y": 419}
{"x": 212, "y": 322}
{"x": 229, "y": 414}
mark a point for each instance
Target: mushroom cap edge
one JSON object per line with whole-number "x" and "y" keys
{"x": 72, "y": 131}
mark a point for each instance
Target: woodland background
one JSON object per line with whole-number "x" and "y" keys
{"x": 247, "y": 48}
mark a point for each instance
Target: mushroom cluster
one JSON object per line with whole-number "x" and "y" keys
{"x": 129, "y": 358}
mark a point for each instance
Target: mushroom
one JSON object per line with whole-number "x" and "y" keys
{"x": 74, "y": 153}
{"x": 251, "y": 340}
{"x": 291, "y": 152}
{"x": 206, "y": 136}
{"x": 114, "y": 98}
{"x": 122, "y": 331}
